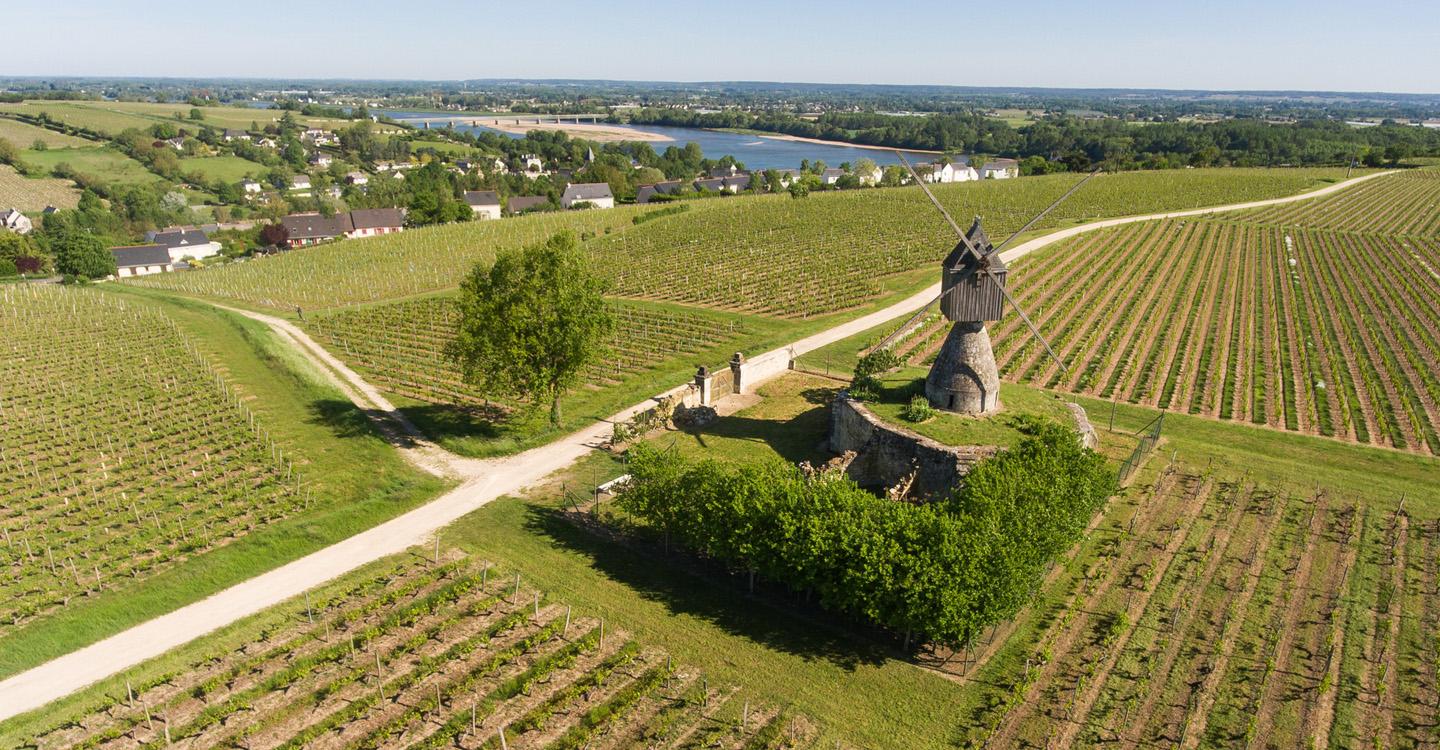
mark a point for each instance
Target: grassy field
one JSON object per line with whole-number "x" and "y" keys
{"x": 223, "y": 168}
{"x": 34, "y": 194}
{"x": 341, "y": 476}
{"x": 770, "y": 255}
{"x": 112, "y": 117}
{"x": 103, "y": 162}
{"x": 23, "y": 135}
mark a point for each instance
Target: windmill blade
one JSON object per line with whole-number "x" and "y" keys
{"x": 1063, "y": 367}
{"x": 958, "y": 231}
{"x": 1047, "y": 210}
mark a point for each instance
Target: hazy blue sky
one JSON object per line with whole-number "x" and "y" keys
{"x": 1376, "y": 45}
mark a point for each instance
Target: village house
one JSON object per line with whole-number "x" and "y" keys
{"x": 357, "y": 178}
{"x": 646, "y": 193}
{"x": 485, "y": 204}
{"x": 370, "y": 222}
{"x": 177, "y": 143}
{"x": 1000, "y": 169}
{"x": 712, "y": 184}
{"x": 321, "y": 160}
{"x": 831, "y": 176}
{"x": 497, "y": 166}
{"x": 532, "y": 163}
{"x": 597, "y": 194}
{"x": 304, "y": 230}
{"x": 871, "y": 178}
{"x": 300, "y": 185}
{"x": 235, "y": 134}
{"x": 729, "y": 170}
{"x": 141, "y": 260}
{"x": 736, "y": 183}
{"x": 333, "y": 191}
{"x": 251, "y": 187}
{"x": 186, "y": 243}
{"x": 787, "y": 176}
{"x": 13, "y": 221}
{"x": 522, "y": 203}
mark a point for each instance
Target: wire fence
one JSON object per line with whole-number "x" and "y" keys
{"x": 1149, "y": 437}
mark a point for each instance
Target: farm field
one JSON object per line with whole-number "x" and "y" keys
{"x": 23, "y": 135}
{"x": 797, "y": 258}
{"x": 417, "y": 653}
{"x": 34, "y": 194}
{"x": 1241, "y": 321}
{"x": 102, "y": 162}
{"x": 399, "y": 347}
{"x": 223, "y": 168}
{"x": 380, "y": 268}
{"x": 1407, "y": 203}
{"x": 155, "y": 453}
{"x": 770, "y": 255}
{"x": 113, "y": 117}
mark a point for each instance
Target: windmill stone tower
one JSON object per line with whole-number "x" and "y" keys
{"x": 964, "y": 378}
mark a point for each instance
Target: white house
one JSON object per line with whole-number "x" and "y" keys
{"x": 497, "y": 166}
{"x": 236, "y": 134}
{"x": 872, "y": 178}
{"x": 368, "y": 222}
{"x": 300, "y": 184}
{"x": 186, "y": 243}
{"x": 141, "y": 260}
{"x": 321, "y": 160}
{"x": 484, "y": 203}
{"x": 595, "y": 193}
{"x": 251, "y": 187}
{"x": 357, "y": 178}
{"x": 532, "y": 163}
{"x": 787, "y": 176}
{"x": 13, "y": 221}
{"x": 1000, "y": 169}
{"x": 831, "y": 176}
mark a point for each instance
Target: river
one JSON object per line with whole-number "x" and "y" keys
{"x": 754, "y": 151}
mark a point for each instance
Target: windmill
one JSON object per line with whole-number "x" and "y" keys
{"x": 964, "y": 378}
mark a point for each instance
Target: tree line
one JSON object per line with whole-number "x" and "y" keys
{"x": 942, "y": 571}
{"x": 1077, "y": 144}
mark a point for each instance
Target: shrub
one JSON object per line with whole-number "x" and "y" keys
{"x": 8, "y": 269}
{"x": 918, "y": 410}
{"x": 945, "y": 570}
{"x": 865, "y": 386}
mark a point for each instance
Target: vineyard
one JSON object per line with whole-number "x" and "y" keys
{"x": 400, "y": 346}
{"x": 430, "y": 654}
{"x": 1212, "y": 612}
{"x": 123, "y": 451}
{"x": 34, "y": 194}
{"x": 1263, "y": 324}
{"x": 766, "y": 254}
{"x": 380, "y": 268}
{"x": 1408, "y": 203}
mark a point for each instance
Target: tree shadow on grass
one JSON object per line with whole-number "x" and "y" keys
{"x": 688, "y": 586}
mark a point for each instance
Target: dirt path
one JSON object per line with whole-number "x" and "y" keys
{"x": 482, "y": 482}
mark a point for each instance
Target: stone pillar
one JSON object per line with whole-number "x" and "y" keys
{"x": 964, "y": 378}
{"x": 737, "y": 368}
{"x": 703, "y": 382}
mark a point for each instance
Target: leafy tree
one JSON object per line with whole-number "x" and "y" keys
{"x": 531, "y": 322}
{"x": 21, "y": 251}
{"x": 81, "y": 255}
{"x": 274, "y": 235}
{"x": 196, "y": 114}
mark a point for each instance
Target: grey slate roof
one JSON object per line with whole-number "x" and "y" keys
{"x": 587, "y": 191}
{"x": 668, "y": 187}
{"x": 521, "y": 203}
{"x": 131, "y": 256}
{"x": 373, "y": 218}
{"x": 714, "y": 183}
{"x": 180, "y": 238}
{"x": 482, "y": 198}
{"x": 315, "y": 226}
